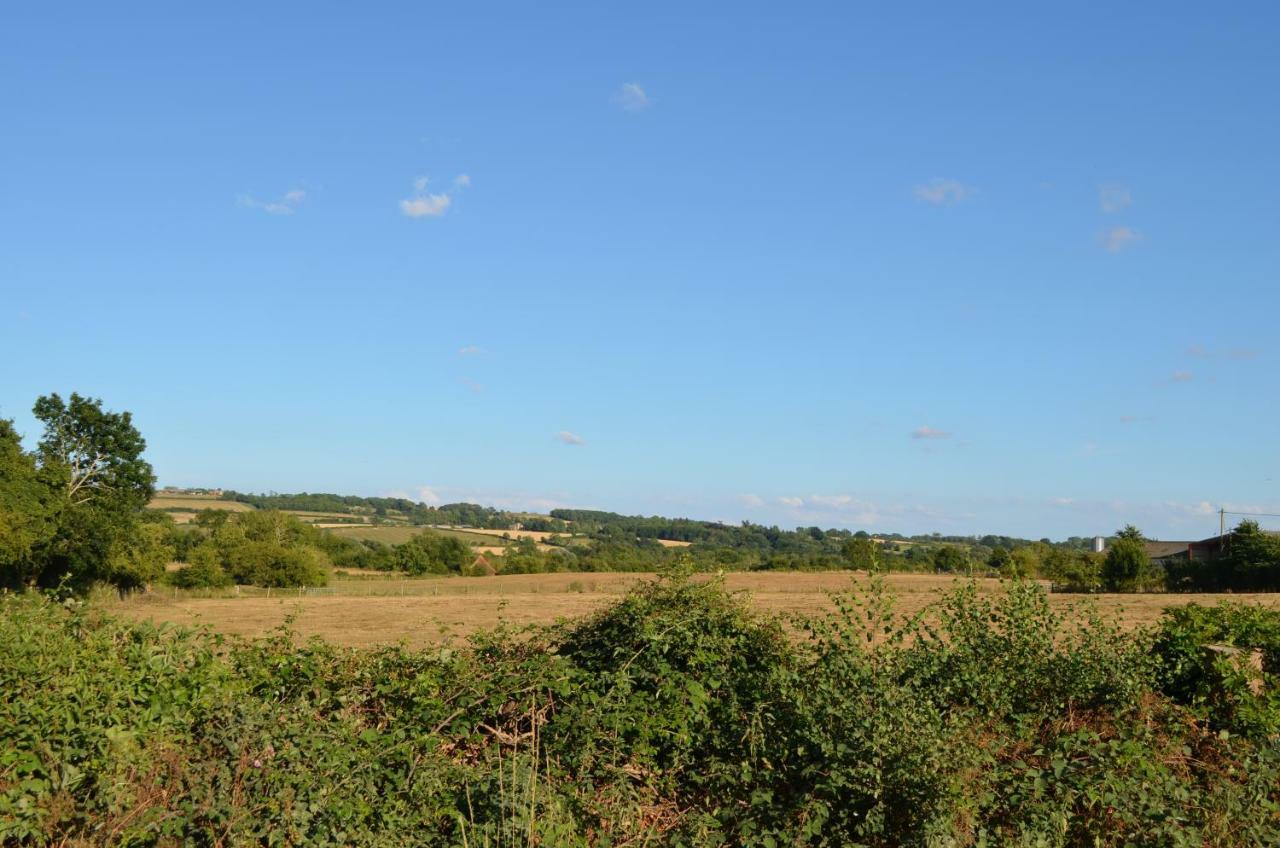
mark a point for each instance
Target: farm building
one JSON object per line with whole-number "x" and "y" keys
{"x": 1166, "y": 552}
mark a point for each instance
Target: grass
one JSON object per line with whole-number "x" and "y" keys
{"x": 420, "y": 612}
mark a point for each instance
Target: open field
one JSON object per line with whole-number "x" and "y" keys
{"x": 400, "y": 533}
{"x": 195, "y": 503}
{"x": 535, "y": 535}
{"x": 312, "y": 517}
{"x": 426, "y": 611}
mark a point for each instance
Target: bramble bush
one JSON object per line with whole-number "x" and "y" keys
{"x": 675, "y": 717}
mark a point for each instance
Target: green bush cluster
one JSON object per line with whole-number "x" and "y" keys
{"x": 260, "y": 548}
{"x": 1222, "y": 684}
{"x": 674, "y": 717}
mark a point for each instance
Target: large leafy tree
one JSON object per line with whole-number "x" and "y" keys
{"x": 92, "y": 458}
{"x": 28, "y": 509}
{"x": 98, "y": 453}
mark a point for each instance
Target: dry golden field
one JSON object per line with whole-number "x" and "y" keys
{"x": 535, "y": 535}
{"x": 387, "y": 610}
{"x": 196, "y": 503}
{"x": 193, "y": 503}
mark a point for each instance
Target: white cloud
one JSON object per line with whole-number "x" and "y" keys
{"x": 426, "y": 206}
{"x": 570, "y": 438}
{"x": 1063, "y": 501}
{"x": 1183, "y": 376}
{"x": 291, "y": 200}
{"x": 1128, "y": 419}
{"x": 1197, "y": 350}
{"x": 927, "y": 432}
{"x": 1114, "y": 198}
{"x": 427, "y": 495}
{"x": 831, "y": 501}
{"x": 752, "y": 501}
{"x": 942, "y": 192}
{"x": 470, "y": 350}
{"x": 1117, "y": 239}
{"x": 849, "y": 510}
{"x": 631, "y": 97}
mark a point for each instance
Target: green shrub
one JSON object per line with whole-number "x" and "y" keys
{"x": 1220, "y": 686}
{"x": 203, "y": 571}
{"x": 674, "y": 717}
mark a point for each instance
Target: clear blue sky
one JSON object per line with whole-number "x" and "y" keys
{"x": 914, "y": 267}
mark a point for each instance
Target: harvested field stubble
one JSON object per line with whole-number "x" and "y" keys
{"x": 427, "y": 611}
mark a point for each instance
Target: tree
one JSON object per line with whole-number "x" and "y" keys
{"x": 1131, "y": 533}
{"x": 431, "y": 553}
{"x": 1000, "y": 560}
{"x": 861, "y": 553}
{"x": 1126, "y": 568}
{"x": 1253, "y": 557}
{"x": 97, "y": 453}
{"x": 204, "y": 569}
{"x": 92, "y": 461}
{"x": 27, "y": 510}
{"x": 950, "y": 558}
{"x": 138, "y": 558}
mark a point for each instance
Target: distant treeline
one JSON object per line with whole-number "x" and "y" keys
{"x": 459, "y": 514}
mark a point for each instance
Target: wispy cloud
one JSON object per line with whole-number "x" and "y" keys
{"x": 942, "y": 192}
{"x": 1233, "y": 353}
{"x": 470, "y": 350}
{"x": 425, "y": 204}
{"x": 1117, "y": 239}
{"x": 1063, "y": 501}
{"x": 927, "y": 432}
{"x": 569, "y": 438}
{"x": 286, "y": 205}
{"x": 850, "y": 510}
{"x": 471, "y": 384}
{"x": 1114, "y": 198}
{"x": 1128, "y": 419}
{"x": 631, "y": 97}
{"x": 1182, "y": 377}
{"x": 751, "y": 501}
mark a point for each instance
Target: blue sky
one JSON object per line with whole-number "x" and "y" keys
{"x": 912, "y": 267}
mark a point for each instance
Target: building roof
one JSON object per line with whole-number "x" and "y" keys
{"x": 1157, "y": 550}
